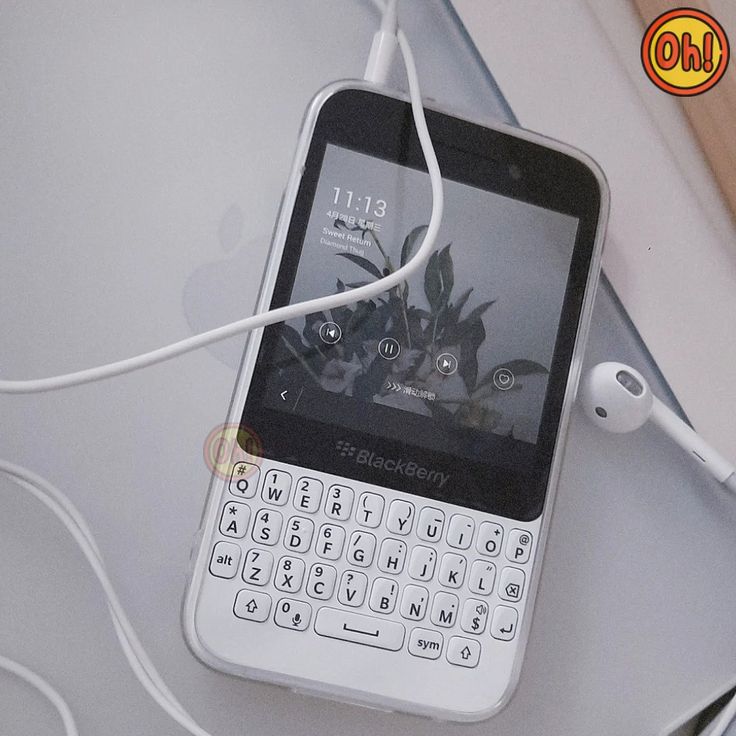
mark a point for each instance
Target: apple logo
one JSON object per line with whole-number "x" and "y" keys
{"x": 225, "y": 290}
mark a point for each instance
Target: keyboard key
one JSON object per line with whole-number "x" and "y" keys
{"x": 252, "y": 606}
{"x": 244, "y": 480}
{"x": 257, "y": 567}
{"x": 444, "y": 609}
{"x": 452, "y": 570}
{"x": 361, "y": 549}
{"x": 504, "y": 623}
{"x": 460, "y": 531}
{"x": 308, "y": 495}
{"x": 490, "y": 536}
{"x": 475, "y": 616}
{"x": 430, "y": 525}
{"x": 463, "y": 652}
{"x": 276, "y": 487}
{"x": 370, "y": 510}
{"x": 511, "y": 584}
{"x": 353, "y": 587}
{"x": 267, "y": 527}
{"x": 482, "y": 575}
{"x": 400, "y": 517}
{"x": 519, "y": 546}
{"x": 392, "y": 556}
{"x": 234, "y": 520}
{"x": 291, "y": 614}
{"x": 289, "y": 575}
{"x": 422, "y": 563}
{"x": 321, "y": 581}
{"x": 425, "y": 643}
{"x": 225, "y": 560}
{"x": 339, "y": 502}
{"x": 330, "y": 541}
{"x": 383, "y": 595}
{"x": 299, "y": 533}
{"x": 414, "y": 602}
{"x": 359, "y": 628}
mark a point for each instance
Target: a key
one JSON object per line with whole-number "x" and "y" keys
{"x": 298, "y": 535}
{"x": 359, "y": 628}
{"x": 339, "y": 502}
{"x": 400, "y": 517}
{"x": 276, "y": 487}
{"x": 370, "y": 510}
{"x": 474, "y": 616}
{"x": 463, "y": 652}
{"x": 234, "y": 519}
{"x": 422, "y": 563}
{"x": 308, "y": 495}
{"x": 519, "y": 546}
{"x": 444, "y": 609}
{"x": 511, "y": 584}
{"x": 430, "y": 525}
{"x": 425, "y": 643}
{"x": 267, "y": 527}
{"x": 392, "y": 556}
{"x": 252, "y": 605}
{"x": 383, "y": 595}
{"x": 504, "y": 623}
{"x": 244, "y": 480}
{"x": 482, "y": 575}
{"x": 460, "y": 531}
{"x": 452, "y": 570}
{"x": 289, "y": 574}
{"x": 361, "y": 548}
{"x": 257, "y": 567}
{"x": 353, "y": 586}
{"x": 321, "y": 581}
{"x": 330, "y": 541}
{"x": 490, "y": 536}
{"x": 225, "y": 560}
{"x": 414, "y": 601}
{"x": 291, "y": 614}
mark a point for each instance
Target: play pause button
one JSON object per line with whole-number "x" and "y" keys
{"x": 446, "y": 364}
{"x": 330, "y": 333}
{"x": 389, "y": 348}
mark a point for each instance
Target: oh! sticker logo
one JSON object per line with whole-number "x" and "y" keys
{"x": 232, "y": 449}
{"x": 685, "y": 52}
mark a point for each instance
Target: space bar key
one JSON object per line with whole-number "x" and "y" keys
{"x": 358, "y": 628}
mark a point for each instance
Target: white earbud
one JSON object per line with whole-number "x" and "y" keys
{"x": 617, "y": 398}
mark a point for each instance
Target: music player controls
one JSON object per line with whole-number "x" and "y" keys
{"x": 446, "y": 364}
{"x": 330, "y": 333}
{"x": 389, "y": 348}
{"x": 503, "y": 379}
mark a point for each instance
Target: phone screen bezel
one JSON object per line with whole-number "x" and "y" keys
{"x": 382, "y": 126}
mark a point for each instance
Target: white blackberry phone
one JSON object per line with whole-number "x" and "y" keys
{"x": 378, "y": 537}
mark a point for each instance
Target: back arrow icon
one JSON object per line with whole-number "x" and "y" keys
{"x": 283, "y": 395}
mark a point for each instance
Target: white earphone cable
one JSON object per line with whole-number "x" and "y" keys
{"x": 290, "y": 311}
{"x": 67, "y": 513}
{"x": 723, "y": 720}
{"x": 36, "y": 681}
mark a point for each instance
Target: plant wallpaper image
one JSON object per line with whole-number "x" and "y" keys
{"x": 425, "y": 325}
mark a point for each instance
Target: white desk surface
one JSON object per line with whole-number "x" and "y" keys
{"x": 671, "y": 254}
{"x": 144, "y": 147}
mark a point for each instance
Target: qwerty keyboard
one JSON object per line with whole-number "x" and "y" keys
{"x": 366, "y": 566}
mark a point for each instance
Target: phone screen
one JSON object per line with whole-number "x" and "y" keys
{"x": 449, "y": 385}
{"x": 466, "y": 344}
